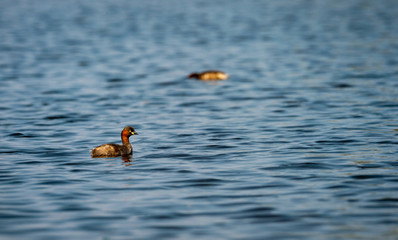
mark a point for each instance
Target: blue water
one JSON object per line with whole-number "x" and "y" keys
{"x": 300, "y": 143}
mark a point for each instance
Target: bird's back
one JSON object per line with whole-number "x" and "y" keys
{"x": 107, "y": 150}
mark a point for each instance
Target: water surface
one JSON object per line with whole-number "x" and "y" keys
{"x": 299, "y": 143}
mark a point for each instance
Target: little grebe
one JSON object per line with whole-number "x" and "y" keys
{"x": 115, "y": 150}
{"x": 209, "y": 75}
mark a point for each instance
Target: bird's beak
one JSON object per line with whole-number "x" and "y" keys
{"x": 134, "y": 133}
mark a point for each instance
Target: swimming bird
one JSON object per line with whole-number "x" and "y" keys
{"x": 115, "y": 150}
{"x": 209, "y": 75}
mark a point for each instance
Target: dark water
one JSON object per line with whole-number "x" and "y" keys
{"x": 300, "y": 143}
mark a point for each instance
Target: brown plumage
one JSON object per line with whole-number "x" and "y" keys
{"x": 209, "y": 75}
{"x": 115, "y": 150}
